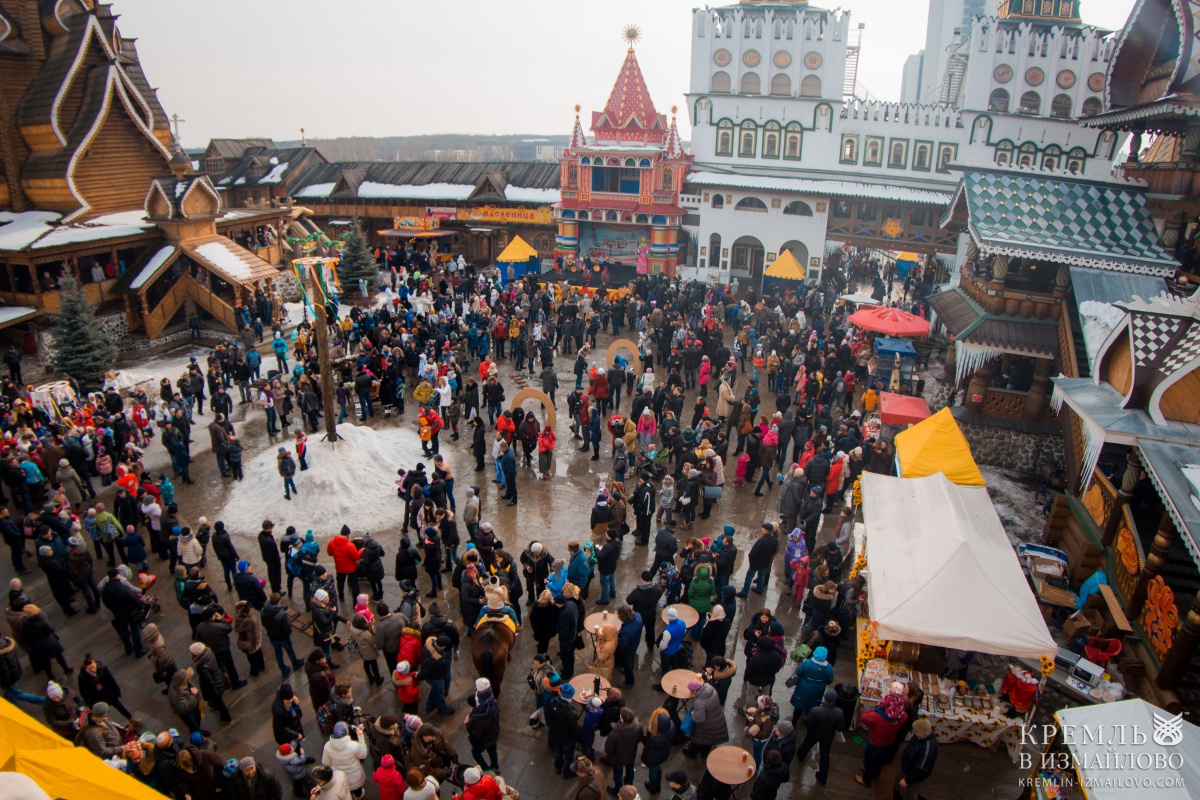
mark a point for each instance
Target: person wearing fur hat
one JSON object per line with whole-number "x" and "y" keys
{"x": 247, "y": 626}
{"x": 496, "y": 602}
{"x": 252, "y": 782}
{"x": 60, "y": 712}
{"x": 160, "y": 656}
{"x": 483, "y": 725}
{"x": 883, "y": 724}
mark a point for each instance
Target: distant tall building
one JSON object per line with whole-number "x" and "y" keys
{"x": 910, "y": 81}
{"x": 948, "y": 21}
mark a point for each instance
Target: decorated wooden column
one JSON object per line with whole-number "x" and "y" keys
{"x": 977, "y": 389}
{"x": 1156, "y": 559}
{"x": 949, "y": 361}
{"x": 1133, "y": 474}
{"x": 1179, "y": 657}
{"x": 1035, "y": 403}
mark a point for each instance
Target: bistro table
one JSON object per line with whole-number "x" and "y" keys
{"x": 598, "y": 619}
{"x": 584, "y": 685}
{"x": 689, "y": 615}
{"x": 675, "y": 683}
{"x": 730, "y": 765}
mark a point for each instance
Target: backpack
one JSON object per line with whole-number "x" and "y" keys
{"x": 325, "y": 719}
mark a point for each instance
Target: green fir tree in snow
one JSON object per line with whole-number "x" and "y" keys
{"x": 80, "y": 348}
{"x": 357, "y": 269}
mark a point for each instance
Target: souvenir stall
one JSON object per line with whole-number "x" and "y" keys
{"x": 905, "y": 262}
{"x": 519, "y": 257}
{"x": 941, "y": 574}
{"x": 936, "y": 445}
{"x": 785, "y": 272}
{"x": 901, "y": 411}
{"x": 894, "y": 359}
{"x": 1168, "y": 748}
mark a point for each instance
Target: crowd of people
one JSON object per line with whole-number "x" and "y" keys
{"x": 777, "y": 385}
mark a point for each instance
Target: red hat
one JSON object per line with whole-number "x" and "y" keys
{"x": 285, "y": 749}
{"x": 387, "y": 762}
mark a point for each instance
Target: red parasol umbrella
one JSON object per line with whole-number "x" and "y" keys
{"x": 890, "y": 321}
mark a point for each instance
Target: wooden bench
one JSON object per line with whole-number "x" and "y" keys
{"x": 1111, "y": 608}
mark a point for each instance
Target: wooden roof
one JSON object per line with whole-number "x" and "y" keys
{"x": 292, "y": 161}
{"x": 234, "y": 148}
{"x": 349, "y": 175}
{"x": 222, "y": 256}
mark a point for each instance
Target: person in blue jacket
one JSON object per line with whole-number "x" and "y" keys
{"x": 810, "y": 680}
{"x": 628, "y": 637}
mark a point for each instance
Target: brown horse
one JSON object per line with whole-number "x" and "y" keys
{"x": 491, "y": 647}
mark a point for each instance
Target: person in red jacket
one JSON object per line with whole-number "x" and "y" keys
{"x": 391, "y": 782}
{"x": 345, "y": 562}
{"x": 411, "y": 645}
{"x": 408, "y": 691}
{"x": 478, "y": 786}
{"x": 883, "y": 724}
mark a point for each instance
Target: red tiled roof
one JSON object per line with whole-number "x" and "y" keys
{"x": 629, "y": 106}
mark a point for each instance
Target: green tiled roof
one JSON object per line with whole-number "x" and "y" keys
{"x": 1079, "y": 223}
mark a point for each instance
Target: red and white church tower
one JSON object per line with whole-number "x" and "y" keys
{"x": 620, "y": 191}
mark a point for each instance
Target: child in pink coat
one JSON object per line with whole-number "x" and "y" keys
{"x": 743, "y": 466}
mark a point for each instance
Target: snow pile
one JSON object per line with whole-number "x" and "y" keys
{"x": 1098, "y": 320}
{"x": 10, "y": 313}
{"x": 1013, "y": 498}
{"x": 166, "y": 365}
{"x": 18, "y": 231}
{"x": 316, "y": 190}
{"x": 276, "y": 173}
{"x": 225, "y": 260}
{"x": 368, "y": 190}
{"x": 519, "y": 194}
{"x": 352, "y": 482}
{"x": 156, "y": 261}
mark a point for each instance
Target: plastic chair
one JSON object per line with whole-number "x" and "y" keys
{"x": 1101, "y": 651}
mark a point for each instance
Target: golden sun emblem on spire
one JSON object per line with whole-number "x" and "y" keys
{"x": 632, "y": 34}
{"x": 674, "y": 110}
{"x": 578, "y": 108}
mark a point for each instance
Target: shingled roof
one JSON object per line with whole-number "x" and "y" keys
{"x": 452, "y": 181}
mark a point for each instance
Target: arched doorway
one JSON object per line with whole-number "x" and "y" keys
{"x": 747, "y": 255}
{"x": 714, "y": 247}
{"x": 798, "y": 250}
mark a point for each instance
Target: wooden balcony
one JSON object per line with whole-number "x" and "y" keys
{"x": 1010, "y": 302}
{"x": 1178, "y": 178}
{"x": 1010, "y": 404}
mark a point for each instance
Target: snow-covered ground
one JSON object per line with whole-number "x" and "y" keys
{"x": 352, "y": 482}
{"x": 170, "y": 364}
{"x": 1013, "y": 497}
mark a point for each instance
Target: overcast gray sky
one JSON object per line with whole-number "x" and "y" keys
{"x": 401, "y": 67}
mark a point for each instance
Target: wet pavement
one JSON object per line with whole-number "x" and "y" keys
{"x": 554, "y": 511}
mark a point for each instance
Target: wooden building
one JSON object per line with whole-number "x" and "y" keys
{"x": 92, "y": 185}
{"x": 222, "y": 154}
{"x": 265, "y": 176}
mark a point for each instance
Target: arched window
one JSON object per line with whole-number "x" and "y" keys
{"x": 627, "y": 217}
{"x": 614, "y": 162}
{"x": 748, "y": 140}
{"x": 770, "y": 148}
{"x": 658, "y": 219}
{"x": 750, "y": 204}
{"x": 585, "y": 160}
{"x": 584, "y": 215}
{"x": 724, "y": 138}
{"x": 781, "y": 85}
{"x": 1004, "y": 153}
{"x": 751, "y": 83}
{"x": 718, "y": 201}
{"x": 642, "y": 219}
{"x": 798, "y": 208}
{"x": 810, "y": 86}
{"x": 719, "y": 84}
{"x": 1031, "y": 103}
{"x": 714, "y": 250}
{"x": 610, "y": 216}
{"x": 998, "y": 101}
{"x": 1091, "y": 107}
{"x": 1061, "y": 107}
{"x": 792, "y": 139}
{"x": 629, "y": 162}
{"x": 572, "y": 175}
{"x": 668, "y": 180}
{"x": 568, "y": 214}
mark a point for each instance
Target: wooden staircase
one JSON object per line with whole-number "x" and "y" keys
{"x": 186, "y": 288}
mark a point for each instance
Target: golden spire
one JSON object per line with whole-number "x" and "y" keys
{"x": 631, "y": 34}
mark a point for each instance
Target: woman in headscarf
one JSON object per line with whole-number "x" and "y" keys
{"x": 483, "y": 725}
{"x": 715, "y": 633}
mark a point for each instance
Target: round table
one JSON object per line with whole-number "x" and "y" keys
{"x": 676, "y": 681}
{"x": 731, "y": 765}
{"x": 598, "y": 618}
{"x": 586, "y": 682}
{"x": 689, "y": 615}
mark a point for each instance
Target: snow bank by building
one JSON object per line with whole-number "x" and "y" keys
{"x": 352, "y": 482}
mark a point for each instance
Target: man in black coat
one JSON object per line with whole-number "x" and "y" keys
{"x": 278, "y": 629}
{"x": 917, "y": 760}
{"x": 759, "y": 561}
{"x": 642, "y": 502}
{"x": 607, "y": 556}
{"x": 269, "y": 549}
{"x": 125, "y": 603}
{"x": 823, "y": 723}
{"x": 568, "y": 630}
{"x": 783, "y": 739}
{"x": 247, "y": 586}
{"x": 252, "y": 782}
{"x": 214, "y": 633}
{"x": 478, "y": 442}
{"x": 644, "y": 600}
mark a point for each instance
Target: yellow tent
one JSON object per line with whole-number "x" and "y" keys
{"x": 907, "y": 256}
{"x": 518, "y": 250}
{"x": 76, "y": 774}
{"x": 786, "y": 266}
{"x": 937, "y": 445}
{"x": 18, "y": 730}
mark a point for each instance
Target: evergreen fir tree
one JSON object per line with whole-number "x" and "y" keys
{"x": 356, "y": 263}
{"x": 80, "y": 347}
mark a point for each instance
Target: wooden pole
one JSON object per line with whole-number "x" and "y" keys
{"x": 321, "y": 331}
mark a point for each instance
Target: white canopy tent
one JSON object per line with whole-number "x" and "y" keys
{"x": 1107, "y": 759}
{"x": 941, "y": 570}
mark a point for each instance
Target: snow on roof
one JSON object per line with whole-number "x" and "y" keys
{"x": 316, "y": 190}
{"x": 225, "y": 260}
{"x": 1097, "y": 320}
{"x": 18, "y": 231}
{"x": 819, "y": 187}
{"x": 273, "y": 160}
{"x": 276, "y": 173}
{"x": 223, "y": 181}
{"x": 518, "y": 194}
{"x": 152, "y": 266}
{"x": 136, "y": 216}
{"x": 180, "y": 188}
{"x": 429, "y": 191}
{"x": 237, "y": 214}
{"x": 239, "y": 181}
{"x": 195, "y": 166}
{"x": 76, "y": 235}
{"x": 11, "y": 314}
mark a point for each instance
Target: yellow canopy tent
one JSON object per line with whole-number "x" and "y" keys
{"x": 76, "y": 774}
{"x": 18, "y": 730}
{"x": 786, "y": 267}
{"x": 937, "y": 445}
{"x": 518, "y": 250}
{"x": 907, "y": 256}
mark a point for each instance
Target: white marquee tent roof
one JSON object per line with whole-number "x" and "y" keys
{"x": 1101, "y": 740}
{"x": 941, "y": 570}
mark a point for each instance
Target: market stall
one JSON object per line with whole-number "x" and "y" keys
{"x": 936, "y": 445}
{"x": 1103, "y": 754}
{"x": 890, "y": 322}
{"x": 906, "y": 261}
{"x": 894, "y": 360}
{"x": 899, "y": 409}
{"x": 784, "y": 271}
{"x": 942, "y": 574}
{"x": 520, "y": 258}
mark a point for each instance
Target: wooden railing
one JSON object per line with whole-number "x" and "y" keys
{"x": 1010, "y": 302}
{"x": 221, "y": 311}
{"x": 161, "y": 314}
{"x": 1004, "y": 403}
{"x": 31, "y": 299}
{"x": 1066, "y": 348}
